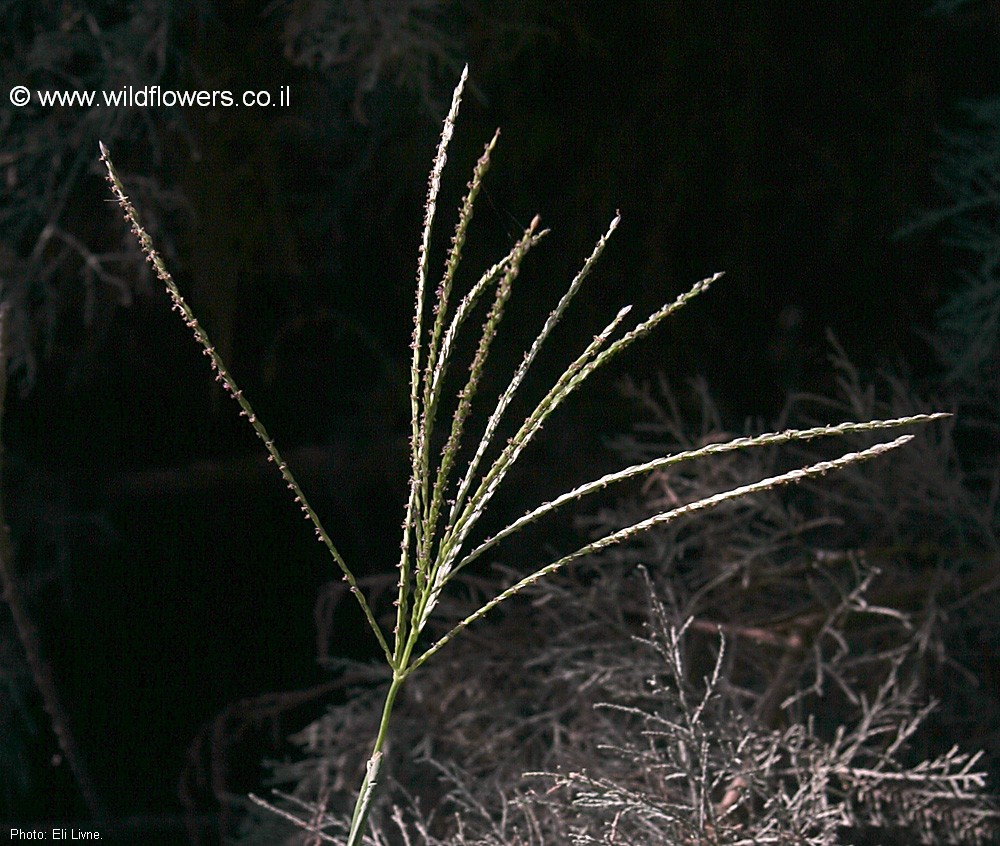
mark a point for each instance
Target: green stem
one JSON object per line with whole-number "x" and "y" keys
{"x": 359, "y": 819}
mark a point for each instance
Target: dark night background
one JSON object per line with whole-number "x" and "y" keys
{"x": 168, "y": 572}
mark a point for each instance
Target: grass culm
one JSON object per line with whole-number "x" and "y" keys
{"x": 447, "y": 497}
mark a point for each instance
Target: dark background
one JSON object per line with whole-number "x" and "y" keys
{"x": 168, "y": 572}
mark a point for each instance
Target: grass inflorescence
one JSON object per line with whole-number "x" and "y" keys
{"x": 445, "y": 501}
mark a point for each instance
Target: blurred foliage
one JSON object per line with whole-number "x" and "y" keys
{"x": 966, "y": 336}
{"x": 969, "y": 321}
{"x": 64, "y": 266}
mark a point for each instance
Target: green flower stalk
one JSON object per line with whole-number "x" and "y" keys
{"x": 444, "y": 507}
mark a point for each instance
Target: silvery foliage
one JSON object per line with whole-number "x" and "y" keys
{"x": 763, "y": 676}
{"x": 52, "y": 274}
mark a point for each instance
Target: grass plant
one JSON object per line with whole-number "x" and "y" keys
{"x": 447, "y": 501}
